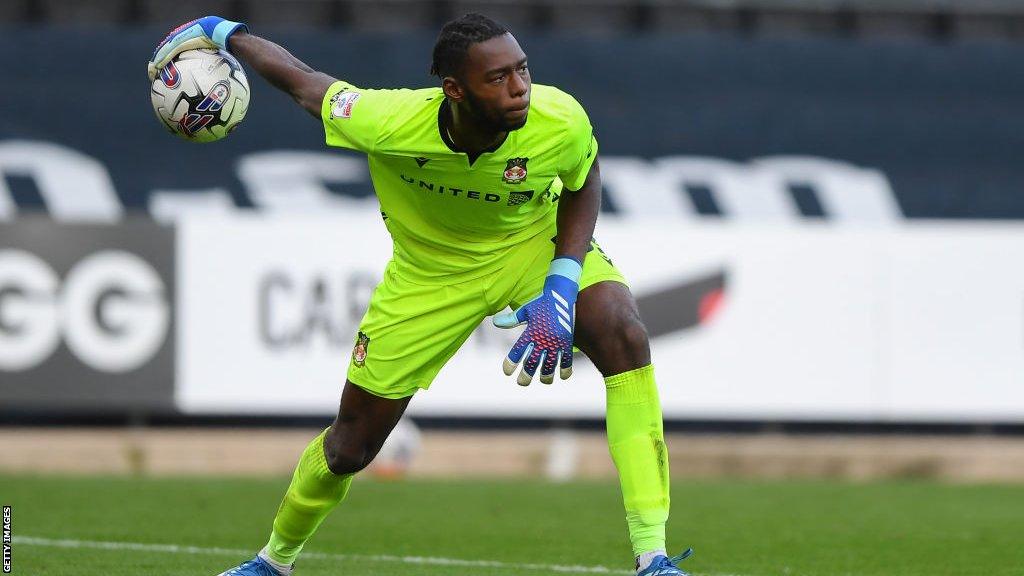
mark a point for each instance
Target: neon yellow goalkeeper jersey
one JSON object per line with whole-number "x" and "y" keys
{"x": 445, "y": 215}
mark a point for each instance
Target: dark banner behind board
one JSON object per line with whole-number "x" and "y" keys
{"x": 86, "y": 316}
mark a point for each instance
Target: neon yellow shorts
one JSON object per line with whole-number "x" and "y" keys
{"x": 411, "y": 329}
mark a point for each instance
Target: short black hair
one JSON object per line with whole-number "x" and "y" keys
{"x": 455, "y": 39}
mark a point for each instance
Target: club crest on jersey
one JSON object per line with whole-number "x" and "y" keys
{"x": 359, "y": 352}
{"x": 169, "y": 75}
{"x": 342, "y": 103}
{"x": 515, "y": 170}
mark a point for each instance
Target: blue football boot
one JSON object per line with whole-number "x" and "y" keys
{"x": 255, "y": 567}
{"x": 664, "y": 566}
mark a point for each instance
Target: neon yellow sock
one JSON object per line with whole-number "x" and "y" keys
{"x": 636, "y": 440}
{"x": 312, "y": 494}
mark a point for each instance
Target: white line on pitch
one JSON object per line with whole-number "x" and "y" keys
{"x": 427, "y": 560}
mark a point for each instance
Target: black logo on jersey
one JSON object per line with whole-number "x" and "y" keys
{"x": 421, "y": 161}
{"x": 517, "y": 198}
{"x": 442, "y": 190}
{"x": 515, "y": 171}
{"x": 547, "y": 193}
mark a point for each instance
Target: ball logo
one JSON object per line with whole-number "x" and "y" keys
{"x": 111, "y": 310}
{"x": 215, "y": 98}
{"x": 192, "y": 123}
{"x": 213, "y": 101}
{"x": 170, "y": 76}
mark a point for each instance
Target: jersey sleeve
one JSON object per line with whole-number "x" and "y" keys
{"x": 579, "y": 149}
{"x": 355, "y": 117}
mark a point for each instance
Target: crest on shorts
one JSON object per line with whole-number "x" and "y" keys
{"x": 515, "y": 170}
{"x": 359, "y": 352}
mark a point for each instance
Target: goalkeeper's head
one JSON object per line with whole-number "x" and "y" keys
{"x": 483, "y": 69}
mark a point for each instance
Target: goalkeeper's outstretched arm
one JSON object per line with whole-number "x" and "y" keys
{"x": 284, "y": 71}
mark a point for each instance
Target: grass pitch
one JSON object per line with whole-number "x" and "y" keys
{"x": 120, "y": 526}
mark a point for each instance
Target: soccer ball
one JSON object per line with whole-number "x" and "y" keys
{"x": 201, "y": 95}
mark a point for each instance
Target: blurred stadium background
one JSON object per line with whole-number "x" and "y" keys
{"x": 818, "y": 202}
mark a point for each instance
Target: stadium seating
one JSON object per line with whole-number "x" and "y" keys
{"x": 949, "y": 19}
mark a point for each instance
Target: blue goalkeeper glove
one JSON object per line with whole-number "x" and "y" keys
{"x": 549, "y": 320}
{"x": 206, "y": 32}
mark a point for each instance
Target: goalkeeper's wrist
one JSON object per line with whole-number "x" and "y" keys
{"x": 223, "y": 30}
{"x": 567, "y": 267}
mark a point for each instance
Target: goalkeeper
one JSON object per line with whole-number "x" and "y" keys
{"x": 489, "y": 186}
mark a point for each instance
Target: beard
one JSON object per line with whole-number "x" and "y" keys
{"x": 490, "y": 120}
{"x": 511, "y": 125}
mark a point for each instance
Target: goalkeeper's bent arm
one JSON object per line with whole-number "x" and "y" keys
{"x": 286, "y": 72}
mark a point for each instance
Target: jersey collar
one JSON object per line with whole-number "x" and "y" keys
{"x": 443, "y": 114}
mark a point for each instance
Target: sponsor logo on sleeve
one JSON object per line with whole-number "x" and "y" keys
{"x": 342, "y": 103}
